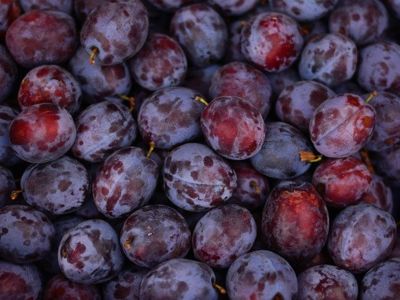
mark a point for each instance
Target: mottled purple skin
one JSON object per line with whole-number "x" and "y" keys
{"x": 124, "y": 287}
{"x": 42, "y": 133}
{"x": 382, "y": 281}
{"x": 58, "y": 187}
{"x": 179, "y": 279}
{"x": 20, "y": 282}
{"x": 90, "y": 253}
{"x": 242, "y": 80}
{"x": 272, "y": 41}
{"x": 301, "y": 10}
{"x": 261, "y": 275}
{"x": 117, "y": 28}
{"x": 103, "y": 128}
{"x": 83, "y": 8}
{"x": 379, "y": 194}
{"x": 234, "y": 7}
{"x": 387, "y": 164}
{"x": 50, "y": 84}
{"x": 233, "y": 51}
{"x": 363, "y": 21}
{"x": 61, "y": 5}
{"x": 25, "y": 234}
{"x": 223, "y": 234}
{"x": 233, "y": 127}
{"x": 42, "y": 37}
{"x": 295, "y": 221}
{"x": 196, "y": 179}
{"x": 154, "y": 234}
{"x": 199, "y": 79}
{"x": 329, "y": 58}
{"x": 7, "y": 185}
{"x": 379, "y": 69}
{"x": 9, "y": 11}
{"x": 170, "y": 117}
{"x": 361, "y": 236}
{"x": 281, "y": 80}
{"x": 297, "y": 102}
{"x": 279, "y": 156}
{"x": 327, "y": 282}
{"x": 7, "y": 154}
{"x": 8, "y": 73}
{"x": 342, "y": 125}
{"x": 202, "y": 33}
{"x": 126, "y": 181}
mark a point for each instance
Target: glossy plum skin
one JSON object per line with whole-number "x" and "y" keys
{"x": 297, "y": 102}
{"x": 279, "y": 156}
{"x": 126, "y": 286}
{"x": 154, "y": 234}
{"x": 42, "y": 133}
{"x": 7, "y": 154}
{"x": 261, "y": 275}
{"x": 9, "y": 11}
{"x": 20, "y": 282}
{"x": 179, "y": 279}
{"x": 170, "y": 116}
{"x": 25, "y": 235}
{"x": 363, "y": 21}
{"x": 379, "y": 194}
{"x": 361, "y": 236}
{"x": 223, "y": 234}
{"x": 329, "y": 58}
{"x": 327, "y": 282}
{"x": 202, "y": 33}
{"x": 60, "y": 288}
{"x": 61, "y": 5}
{"x": 295, "y": 221}
{"x": 196, "y": 179}
{"x": 8, "y": 74}
{"x": 115, "y": 45}
{"x": 7, "y": 185}
{"x": 160, "y": 63}
{"x": 90, "y": 253}
{"x": 342, "y": 182}
{"x": 242, "y": 80}
{"x": 42, "y": 37}
{"x": 50, "y": 84}
{"x": 272, "y": 41}
{"x": 342, "y": 125}
{"x": 58, "y": 187}
{"x": 234, "y": 7}
{"x": 233, "y": 127}
{"x": 103, "y": 128}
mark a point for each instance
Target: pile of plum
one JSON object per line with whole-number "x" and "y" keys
{"x": 199, "y": 150}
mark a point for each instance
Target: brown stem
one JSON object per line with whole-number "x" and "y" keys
{"x": 14, "y": 194}
{"x": 367, "y": 161}
{"x": 371, "y": 96}
{"x": 93, "y": 54}
{"x": 131, "y": 101}
{"x": 255, "y": 186}
{"x": 309, "y": 157}
{"x": 152, "y": 146}
{"x": 219, "y": 288}
{"x": 201, "y": 100}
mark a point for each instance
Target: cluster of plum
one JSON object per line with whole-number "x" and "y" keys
{"x": 220, "y": 149}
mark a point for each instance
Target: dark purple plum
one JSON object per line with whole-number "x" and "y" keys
{"x": 199, "y": 79}
{"x": 61, "y": 5}
{"x": 8, "y": 74}
{"x": 126, "y": 286}
{"x": 233, "y": 51}
{"x": 301, "y": 10}
{"x": 387, "y": 164}
{"x": 8, "y": 156}
{"x": 7, "y": 185}
{"x": 9, "y": 11}
{"x": 394, "y": 6}
{"x": 83, "y": 8}
{"x": 234, "y": 7}
{"x": 168, "y": 5}
{"x": 282, "y": 79}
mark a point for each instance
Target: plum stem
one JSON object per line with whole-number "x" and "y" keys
{"x": 201, "y": 100}
{"x": 255, "y": 186}
{"x": 93, "y": 54}
{"x": 14, "y": 194}
{"x": 152, "y": 146}
{"x": 219, "y": 288}
{"x": 371, "y": 96}
{"x": 367, "y": 161}
{"x": 131, "y": 101}
{"x": 127, "y": 244}
{"x": 309, "y": 157}
{"x": 304, "y": 30}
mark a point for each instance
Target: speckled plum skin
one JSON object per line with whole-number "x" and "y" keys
{"x": 379, "y": 194}
{"x": 379, "y": 69}
{"x": 154, "y": 234}
{"x": 61, "y": 5}
{"x": 327, "y": 282}
{"x": 170, "y": 116}
{"x": 387, "y": 164}
{"x": 58, "y": 187}
{"x": 279, "y": 156}
{"x": 50, "y": 84}
{"x": 125, "y": 181}
{"x": 25, "y": 234}
{"x": 103, "y": 128}
{"x": 9, "y": 11}
{"x": 342, "y": 125}
{"x": 223, "y": 234}
{"x": 342, "y": 181}
{"x": 7, "y": 185}
{"x": 196, "y": 179}
{"x": 244, "y": 81}
{"x": 329, "y": 58}
{"x": 261, "y": 275}
{"x": 42, "y": 133}
{"x": 126, "y": 286}
{"x": 361, "y": 236}
{"x": 20, "y": 282}
{"x": 42, "y": 37}
{"x": 297, "y": 102}
{"x": 7, "y": 154}
{"x": 234, "y": 7}
{"x": 295, "y": 221}
{"x": 90, "y": 253}
{"x": 272, "y": 41}
{"x": 233, "y": 127}
{"x": 202, "y": 33}
{"x": 309, "y": 10}
{"x": 61, "y": 288}
{"x": 363, "y": 21}
{"x": 179, "y": 279}
{"x": 8, "y": 74}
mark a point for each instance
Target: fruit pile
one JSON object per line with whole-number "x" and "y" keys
{"x": 199, "y": 150}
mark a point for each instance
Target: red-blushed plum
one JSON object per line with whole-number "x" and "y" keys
{"x": 9, "y": 11}
{"x": 233, "y": 127}
{"x": 61, "y": 5}
{"x": 379, "y": 194}
{"x": 8, "y": 74}
{"x": 8, "y": 156}
{"x": 7, "y": 185}
{"x": 196, "y": 179}
{"x": 234, "y": 7}
{"x": 126, "y": 286}
{"x": 361, "y": 236}
{"x": 42, "y": 133}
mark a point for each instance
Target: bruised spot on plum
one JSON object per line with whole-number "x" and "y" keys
{"x": 208, "y": 161}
